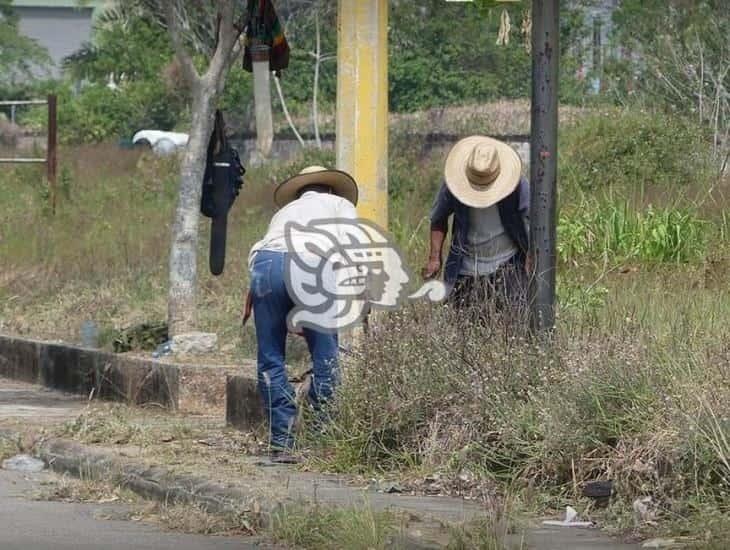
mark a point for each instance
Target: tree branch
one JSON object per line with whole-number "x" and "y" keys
{"x": 226, "y": 43}
{"x": 286, "y": 111}
{"x": 186, "y": 63}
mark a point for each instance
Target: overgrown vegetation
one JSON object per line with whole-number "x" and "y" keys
{"x": 615, "y": 232}
{"x": 125, "y": 78}
{"x": 633, "y": 387}
{"x": 637, "y": 150}
{"x": 325, "y": 528}
{"x": 678, "y": 62}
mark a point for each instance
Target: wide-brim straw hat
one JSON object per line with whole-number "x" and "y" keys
{"x": 341, "y": 183}
{"x": 480, "y": 171}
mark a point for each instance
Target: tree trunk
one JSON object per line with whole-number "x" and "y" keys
{"x": 182, "y": 314}
{"x": 262, "y": 99}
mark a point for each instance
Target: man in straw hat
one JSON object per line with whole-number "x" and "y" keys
{"x": 313, "y": 194}
{"x": 489, "y": 199}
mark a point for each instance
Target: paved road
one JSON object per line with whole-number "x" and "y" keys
{"x": 26, "y": 524}
{"x": 32, "y": 525}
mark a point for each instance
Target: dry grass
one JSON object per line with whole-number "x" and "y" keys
{"x": 330, "y": 529}
{"x": 63, "y": 488}
{"x": 192, "y": 519}
{"x": 635, "y": 391}
{"x": 504, "y": 117}
{"x": 633, "y": 388}
{"x": 185, "y": 444}
{"x": 186, "y": 518}
{"x": 8, "y": 448}
{"x": 496, "y": 118}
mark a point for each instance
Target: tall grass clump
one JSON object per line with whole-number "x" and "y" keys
{"x": 617, "y": 232}
{"x": 428, "y": 391}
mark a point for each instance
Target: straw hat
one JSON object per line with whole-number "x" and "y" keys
{"x": 342, "y": 184}
{"x": 480, "y": 171}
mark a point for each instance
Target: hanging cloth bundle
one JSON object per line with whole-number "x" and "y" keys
{"x": 264, "y": 28}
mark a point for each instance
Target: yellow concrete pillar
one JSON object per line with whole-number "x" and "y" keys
{"x": 362, "y": 102}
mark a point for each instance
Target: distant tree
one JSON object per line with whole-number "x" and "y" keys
{"x": 676, "y": 54}
{"x": 125, "y": 41}
{"x": 20, "y": 56}
{"x": 445, "y": 53}
{"x": 129, "y": 79}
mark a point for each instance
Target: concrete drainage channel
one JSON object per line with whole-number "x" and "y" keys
{"x": 207, "y": 389}
{"x": 194, "y": 389}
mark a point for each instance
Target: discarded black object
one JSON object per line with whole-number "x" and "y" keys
{"x": 221, "y": 184}
{"x": 598, "y": 489}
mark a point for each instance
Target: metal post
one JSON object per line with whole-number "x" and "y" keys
{"x": 543, "y": 160}
{"x": 51, "y": 154}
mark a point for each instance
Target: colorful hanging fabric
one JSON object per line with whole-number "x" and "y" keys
{"x": 264, "y": 26}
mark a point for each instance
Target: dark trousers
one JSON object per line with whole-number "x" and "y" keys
{"x": 502, "y": 293}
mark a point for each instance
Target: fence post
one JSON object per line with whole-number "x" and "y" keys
{"x": 51, "y": 153}
{"x": 544, "y": 160}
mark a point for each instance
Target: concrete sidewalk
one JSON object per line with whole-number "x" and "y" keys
{"x": 20, "y": 400}
{"x": 37, "y": 525}
{"x": 261, "y": 487}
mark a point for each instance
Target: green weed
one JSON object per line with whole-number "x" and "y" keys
{"x": 323, "y": 528}
{"x": 614, "y": 232}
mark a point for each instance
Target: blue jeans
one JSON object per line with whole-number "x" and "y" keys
{"x": 271, "y": 305}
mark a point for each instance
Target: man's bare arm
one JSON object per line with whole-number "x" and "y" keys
{"x": 438, "y": 236}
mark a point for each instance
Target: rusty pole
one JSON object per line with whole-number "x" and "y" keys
{"x": 51, "y": 153}
{"x": 543, "y": 160}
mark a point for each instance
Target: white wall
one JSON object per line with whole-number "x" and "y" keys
{"x": 61, "y": 30}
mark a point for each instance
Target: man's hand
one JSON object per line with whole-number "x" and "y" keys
{"x": 529, "y": 265}
{"x": 432, "y": 269}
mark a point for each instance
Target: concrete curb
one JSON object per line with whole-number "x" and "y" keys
{"x": 150, "y": 482}
{"x": 89, "y": 372}
{"x": 154, "y": 483}
{"x": 139, "y": 381}
{"x": 244, "y": 407}
{"x": 159, "y": 484}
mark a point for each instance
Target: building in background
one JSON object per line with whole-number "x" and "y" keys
{"x": 61, "y": 26}
{"x": 596, "y": 49}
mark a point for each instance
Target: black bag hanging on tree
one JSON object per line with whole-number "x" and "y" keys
{"x": 221, "y": 184}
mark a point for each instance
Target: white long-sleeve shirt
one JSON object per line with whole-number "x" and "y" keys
{"x": 312, "y": 205}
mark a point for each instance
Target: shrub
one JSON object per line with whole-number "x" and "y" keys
{"x": 425, "y": 391}
{"x": 98, "y": 113}
{"x": 629, "y": 149}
